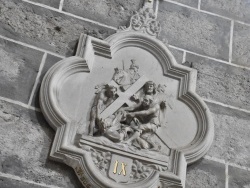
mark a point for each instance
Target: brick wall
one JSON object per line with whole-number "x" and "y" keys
{"x": 212, "y": 36}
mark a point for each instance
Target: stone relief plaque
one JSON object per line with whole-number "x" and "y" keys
{"x": 125, "y": 113}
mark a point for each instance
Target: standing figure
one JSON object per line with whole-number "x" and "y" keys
{"x": 102, "y": 100}
{"x": 133, "y": 72}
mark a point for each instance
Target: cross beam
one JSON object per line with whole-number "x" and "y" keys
{"x": 124, "y": 97}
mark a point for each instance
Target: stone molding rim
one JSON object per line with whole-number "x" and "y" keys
{"x": 63, "y": 149}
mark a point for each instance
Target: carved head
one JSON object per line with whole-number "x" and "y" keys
{"x": 149, "y": 88}
{"x": 111, "y": 90}
{"x": 147, "y": 100}
{"x": 116, "y": 70}
{"x": 119, "y": 76}
{"x": 134, "y": 66}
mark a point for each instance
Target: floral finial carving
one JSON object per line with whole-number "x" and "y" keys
{"x": 144, "y": 21}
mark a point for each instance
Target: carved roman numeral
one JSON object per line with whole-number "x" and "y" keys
{"x": 123, "y": 171}
{"x": 115, "y": 168}
{"x": 123, "y": 168}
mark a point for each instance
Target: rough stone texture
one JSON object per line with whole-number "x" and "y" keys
{"x": 241, "y": 45}
{"x": 111, "y": 12}
{"x": 18, "y": 70}
{"x": 238, "y": 178}
{"x": 24, "y": 148}
{"x": 45, "y": 28}
{"x": 195, "y": 31}
{"x": 235, "y": 9}
{"x": 232, "y": 130}
{"x": 178, "y": 54}
{"x": 49, "y": 62}
{"x": 205, "y": 174}
{"x": 221, "y": 82}
{"x": 10, "y": 183}
{"x": 192, "y": 3}
{"x": 52, "y": 3}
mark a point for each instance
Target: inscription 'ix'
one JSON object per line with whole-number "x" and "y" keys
{"x": 123, "y": 170}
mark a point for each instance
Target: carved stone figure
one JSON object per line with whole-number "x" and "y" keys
{"x": 133, "y": 71}
{"x": 137, "y": 122}
{"x": 125, "y": 78}
{"x": 146, "y": 116}
{"x": 121, "y": 77}
{"x": 150, "y": 88}
{"x": 124, "y": 140}
{"x": 102, "y": 100}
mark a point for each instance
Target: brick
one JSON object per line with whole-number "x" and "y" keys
{"x": 232, "y": 130}
{"x": 49, "y": 62}
{"x": 52, "y": 3}
{"x": 45, "y": 28}
{"x": 235, "y": 9}
{"x": 192, "y": 3}
{"x": 221, "y": 82}
{"x": 26, "y": 139}
{"x": 238, "y": 178}
{"x": 241, "y": 45}
{"x": 11, "y": 183}
{"x": 18, "y": 70}
{"x": 111, "y": 12}
{"x": 205, "y": 174}
{"x": 178, "y": 54}
{"x": 194, "y": 31}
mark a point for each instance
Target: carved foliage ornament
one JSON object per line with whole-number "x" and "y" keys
{"x": 144, "y": 21}
{"x": 125, "y": 113}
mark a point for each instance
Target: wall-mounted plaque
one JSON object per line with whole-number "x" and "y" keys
{"x": 125, "y": 113}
